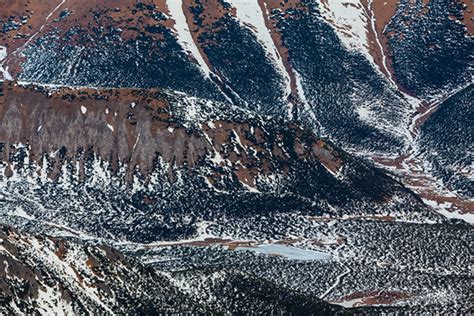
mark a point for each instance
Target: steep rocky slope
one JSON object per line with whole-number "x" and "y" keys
{"x": 164, "y": 162}
{"x": 214, "y": 49}
{"x": 337, "y": 66}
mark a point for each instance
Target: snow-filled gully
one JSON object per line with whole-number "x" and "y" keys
{"x": 342, "y": 14}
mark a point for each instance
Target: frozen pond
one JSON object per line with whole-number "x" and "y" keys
{"x": 288, "y": 252}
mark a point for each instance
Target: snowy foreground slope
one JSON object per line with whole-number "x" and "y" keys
{"x": 46, "y": 275}
{"x": 236, "y": 156}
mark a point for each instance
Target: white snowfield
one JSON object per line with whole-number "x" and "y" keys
{"x": 3, "y": 53}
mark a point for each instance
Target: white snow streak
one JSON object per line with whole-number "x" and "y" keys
{"x": 379, "y": 43}
{"x": 336, "y": 283}
{"x": 42, "y": 26}
{"x": 444, "y": 209}
{"x": 54, "y": 10}
{"x": 250, "y": 14}
{"x": 184, "y": 36}
{"x": 136, "y": 142}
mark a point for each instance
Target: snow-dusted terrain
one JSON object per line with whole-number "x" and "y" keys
{"x": 236, "y": 156}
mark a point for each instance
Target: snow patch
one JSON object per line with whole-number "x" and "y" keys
{"x": 289, "y": 252}
{"x": 364, "y": 113}
{"x": 349, "y": 20}
{"x": 4, "y": 71}
{"x": 83, "y": 109}
{"x": 249, "y": 188}
{"x": 211, "y": 125}
{"x": 443, "y": 209}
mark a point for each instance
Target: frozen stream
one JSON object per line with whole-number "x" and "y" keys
{"x": 288, "y": 252}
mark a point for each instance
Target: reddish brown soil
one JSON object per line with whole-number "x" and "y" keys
{"x": 35, "y": 11}
{"x": 93, "y": 264}
{"x": 267, "y": 6}
{"x": 231, "y": 244}
{"x": 288, "y": 242}
{"x": 383, "y": 12}
{"x": 375, "y": 298}
{"x": 120, "y": 13}
{"x": 62, "y": 250}
{"x": 468, "y": 18}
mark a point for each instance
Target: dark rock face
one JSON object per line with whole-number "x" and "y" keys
{"x": 446, "y": 140}
{"x": 432, "y": 51}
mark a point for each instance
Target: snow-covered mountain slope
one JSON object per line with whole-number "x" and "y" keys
{"x": 52, "y": 276}
{"x": 46, "y": 275}
{"x": 215, "y": 49}
{"x": 446, "y": 139}
{"x": 160, "y": 126}
{"x": 156, "y": 158}
{"x": 338, "y": 65}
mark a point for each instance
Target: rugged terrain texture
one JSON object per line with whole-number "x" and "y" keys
{"x": 44, "y": 275}
{"x": 446, "y": 140}
{"x": 431, "y": 45}
{"x": 240, "y": 152}
{"x": 177, "y": 160}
